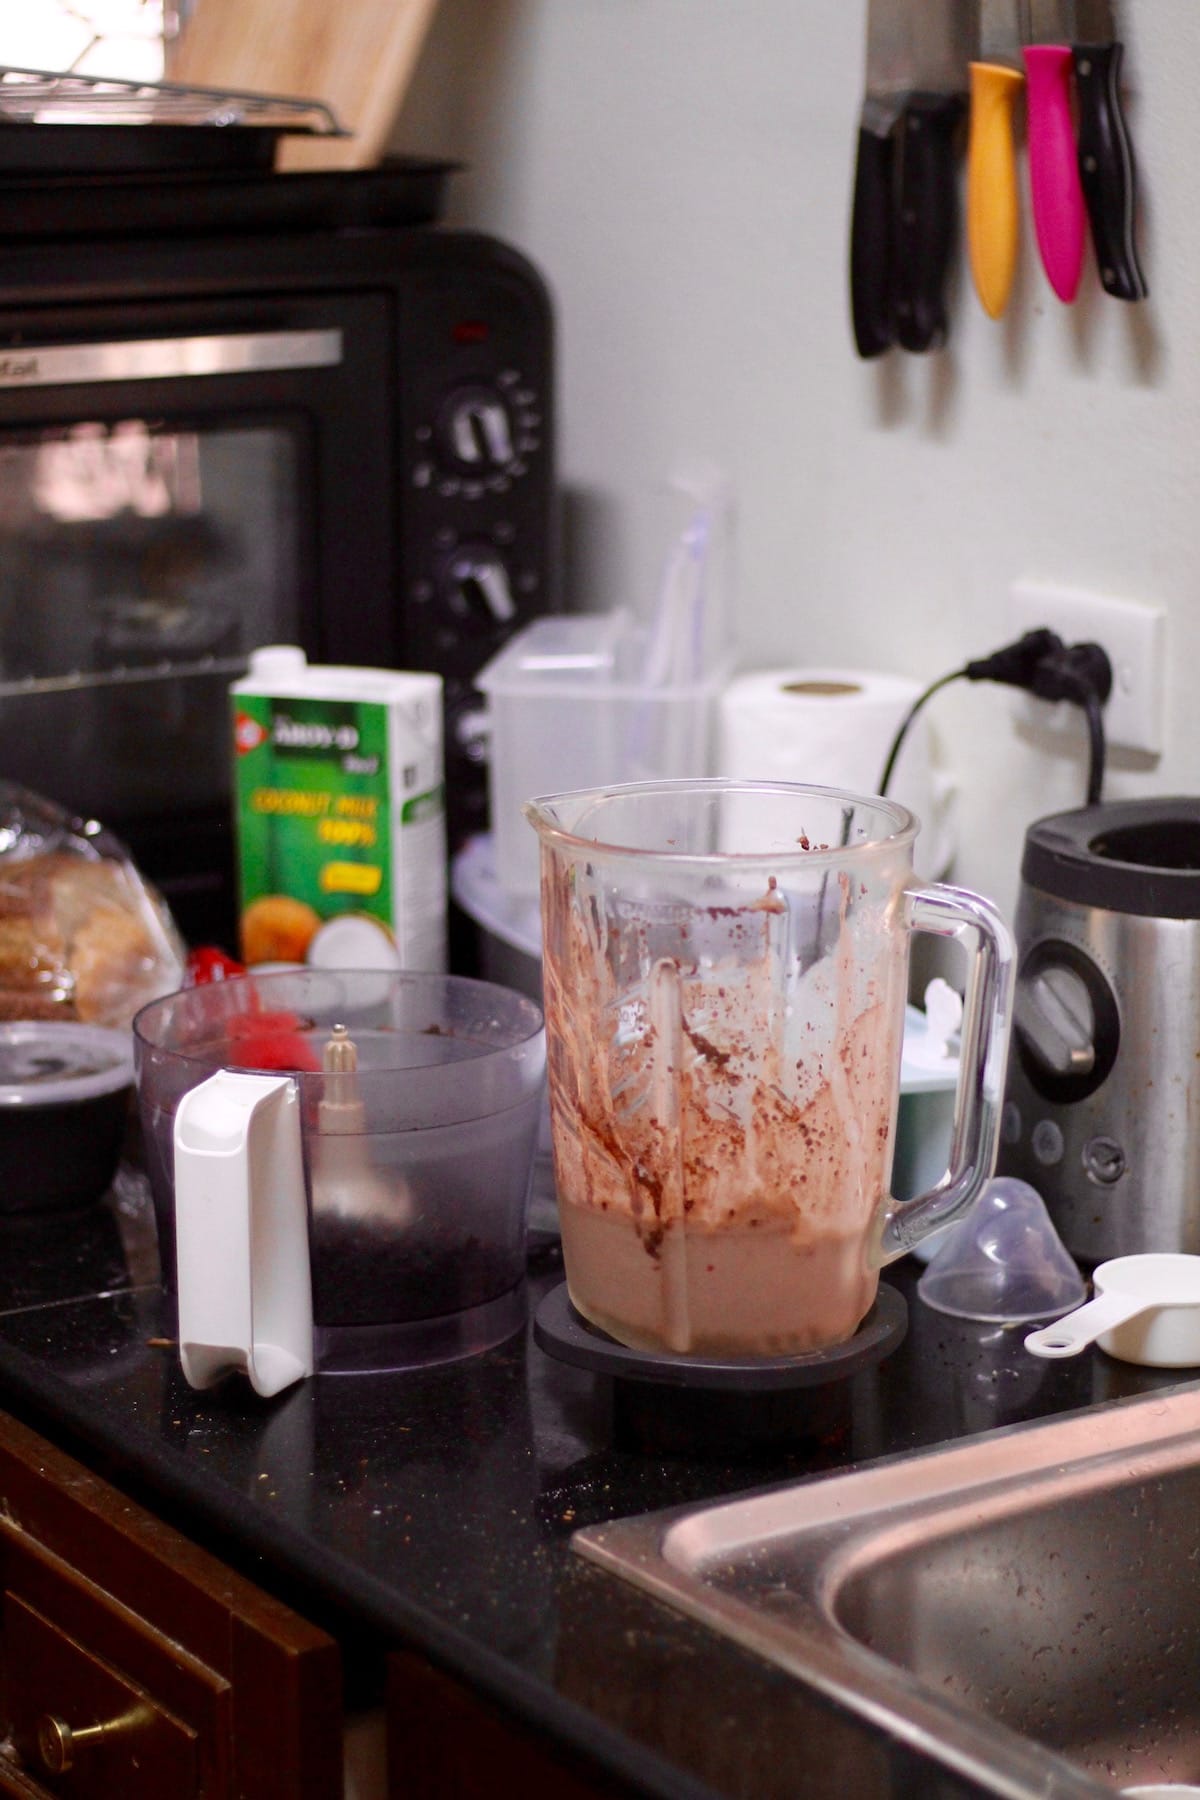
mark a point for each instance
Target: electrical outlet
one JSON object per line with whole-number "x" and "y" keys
{"x": 1134, "y": 636}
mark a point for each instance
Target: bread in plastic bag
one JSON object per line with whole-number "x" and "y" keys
{"x": 82, "y": 936}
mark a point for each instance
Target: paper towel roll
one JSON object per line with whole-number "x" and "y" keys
{"x": 834, "y": 728}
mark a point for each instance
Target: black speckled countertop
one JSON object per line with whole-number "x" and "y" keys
{"x": 434, "y": 1508}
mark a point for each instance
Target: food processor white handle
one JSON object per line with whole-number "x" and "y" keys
{"x": 987, "y": 1021}
{"x": 241, "y": 1232}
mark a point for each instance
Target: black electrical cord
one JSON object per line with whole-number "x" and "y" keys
{"x": 1093, "y": 708}
{"x": 935, "y": 687}
{"x": 1039, "y": 663}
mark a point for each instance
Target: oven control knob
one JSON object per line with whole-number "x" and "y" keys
{"x": 478, "y": 586}
{"x": 476, "y": 430}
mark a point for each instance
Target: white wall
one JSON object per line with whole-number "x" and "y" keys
{"x": 680, "y": 170}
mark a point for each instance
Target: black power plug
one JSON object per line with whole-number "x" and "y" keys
{"x": 1041, "y": 664}
{"x": 1015, "y": 664}
{"x": 1073, "y": 672}
{"x": 1082, "y": 674}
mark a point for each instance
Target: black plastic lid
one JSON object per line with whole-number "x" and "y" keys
{"x": 1132, "y": 856}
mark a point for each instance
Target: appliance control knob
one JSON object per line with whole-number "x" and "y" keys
{"x": 1053, "y": 1013}
{"x": 478, "y": 586}
{"x": 1104, "y": 1161}
{"x": 1066, "y": 1021}
{"x": 476, "y": 430}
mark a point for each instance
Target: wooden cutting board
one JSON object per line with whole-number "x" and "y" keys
{"x": 357, "y": 58}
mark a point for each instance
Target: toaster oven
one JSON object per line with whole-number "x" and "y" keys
{"x": 247, "y": 409}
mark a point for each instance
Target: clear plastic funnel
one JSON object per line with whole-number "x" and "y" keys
{"x": 1005, "y": 1263}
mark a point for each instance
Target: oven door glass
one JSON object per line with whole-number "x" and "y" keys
{"x": 139, "y": 562}
{"x": 182, "y": 481}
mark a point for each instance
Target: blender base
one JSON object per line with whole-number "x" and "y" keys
{"x": 720, "y": 1405}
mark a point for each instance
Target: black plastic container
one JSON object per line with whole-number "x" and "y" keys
{"x": 64, "y": 1107}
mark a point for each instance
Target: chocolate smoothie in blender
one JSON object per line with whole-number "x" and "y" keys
{"x": 724, "y": 1037}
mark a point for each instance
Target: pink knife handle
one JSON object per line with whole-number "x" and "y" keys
{"x": 1058, "y": 211}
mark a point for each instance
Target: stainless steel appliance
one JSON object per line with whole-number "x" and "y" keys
{"x": 1102, "y": 1104}
{"x": 240, "y": 408}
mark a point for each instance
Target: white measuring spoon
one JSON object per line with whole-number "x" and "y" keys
{"x": 1146, "y": 1310}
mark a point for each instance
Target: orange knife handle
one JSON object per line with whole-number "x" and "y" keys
{"x": 993, "y": 216}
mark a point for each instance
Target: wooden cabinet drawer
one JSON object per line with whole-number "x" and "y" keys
{"x": 72, "y": 1716}
{"x": 447, "y": 1743}
{"x": 161, "y": 1671}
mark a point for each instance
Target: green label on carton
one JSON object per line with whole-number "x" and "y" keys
{"x": 314, "y": 817}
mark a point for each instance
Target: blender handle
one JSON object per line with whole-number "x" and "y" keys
{"x": 987, "y": 1018}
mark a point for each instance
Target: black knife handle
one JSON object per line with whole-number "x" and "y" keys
{"x": 927, "y": 217}
{"x": 872, "y": 249}
{"x": 1106, "y": 169}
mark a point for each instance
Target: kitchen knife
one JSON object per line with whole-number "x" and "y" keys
{"x": 1054, "y": 185}
{"x": 993, "y": 210}
{"x": 1106, "y": 165}
{"x": 940, "y": 45}
{"x": 872, "y": 225}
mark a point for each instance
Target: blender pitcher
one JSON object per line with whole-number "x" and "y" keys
{"x": 725, "y": 971}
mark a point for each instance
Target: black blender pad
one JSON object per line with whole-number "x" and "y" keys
{"x": 563, "y": 1333}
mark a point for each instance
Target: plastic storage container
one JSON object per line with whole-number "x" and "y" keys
{"x": 570, "y": 707}
{"x": 64, "y": 1100}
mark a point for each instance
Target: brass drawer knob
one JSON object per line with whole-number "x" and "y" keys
{"x": 58, "y": 1743}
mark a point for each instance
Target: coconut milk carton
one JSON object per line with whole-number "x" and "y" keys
{"x": 340, "y": 814}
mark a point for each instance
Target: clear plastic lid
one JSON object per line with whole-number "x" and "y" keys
{"x": 59, "y": 1063}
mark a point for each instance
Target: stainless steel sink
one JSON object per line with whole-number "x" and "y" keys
{"x": 1023, "y": 1606}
